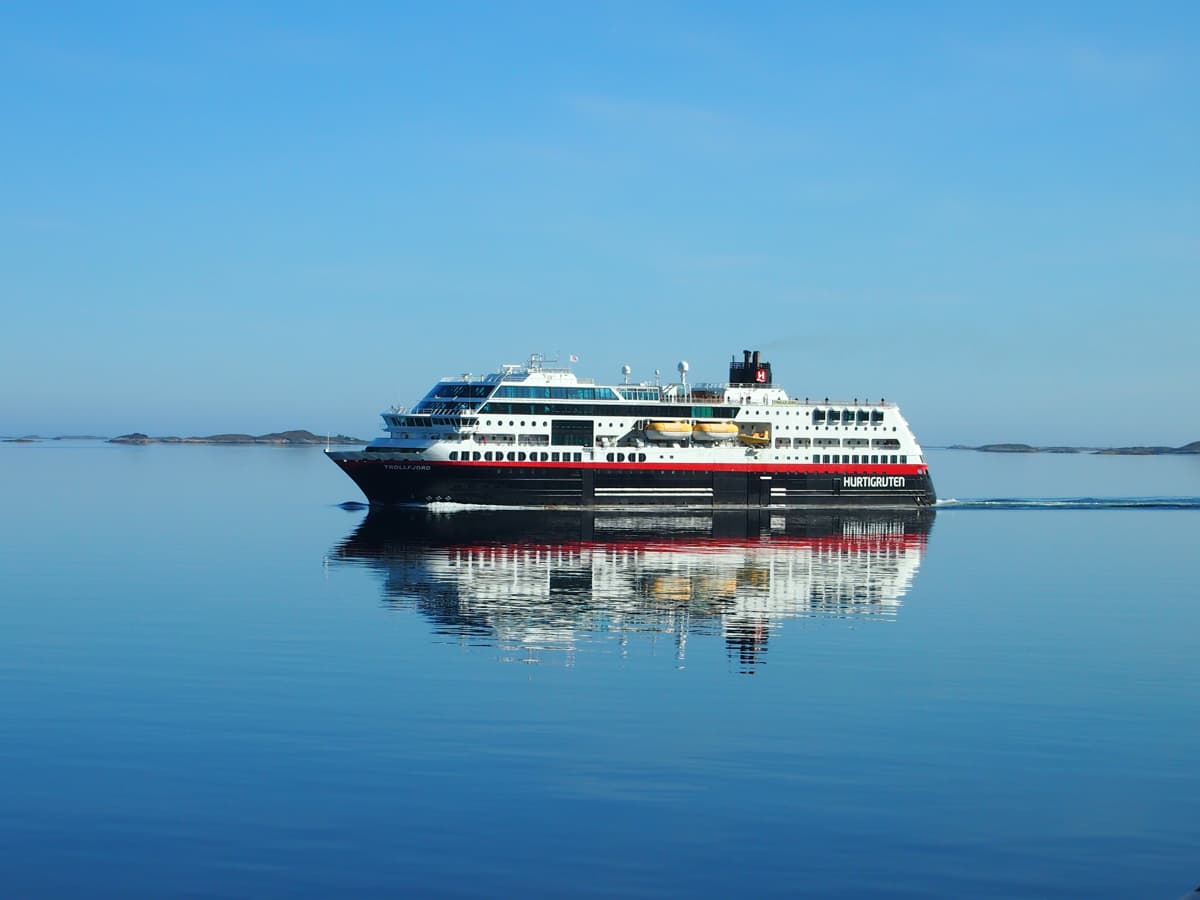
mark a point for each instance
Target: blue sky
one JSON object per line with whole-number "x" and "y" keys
{"x": 247, "y": 217}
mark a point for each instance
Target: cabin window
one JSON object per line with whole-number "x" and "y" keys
{"x": 620, "y": 457}
{"x": 818, "y": 416}
{"x": 454, "y": 455}
{"x": 641, "y": 457}
{"x": 825, "y": 458}
{"x": 609, "y": 457}
{"x": 554, "y": 457}
{"x": 577, "y": 457}
{"x": 874, "y": 459}
{"x": 512, "y": 457}
{"x": 475, "y": 455}
{"x": 903, "y": 458}
{"x": 862, "y": 416}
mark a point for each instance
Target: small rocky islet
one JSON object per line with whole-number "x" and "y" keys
{"x": 292, "y": 438}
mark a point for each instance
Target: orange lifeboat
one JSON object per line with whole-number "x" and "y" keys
{"x": 714, "y": 431}
{"x": 668, "y": 431}
{"x": 755, "y": 439}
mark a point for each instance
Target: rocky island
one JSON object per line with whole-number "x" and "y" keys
{"x": 1192, "y": 448}
{"x": 294, "y": 438}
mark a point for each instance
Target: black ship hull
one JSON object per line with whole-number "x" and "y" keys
{"x": 391, "y": 482}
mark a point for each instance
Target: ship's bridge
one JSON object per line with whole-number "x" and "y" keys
{"x": 539, "y": 371}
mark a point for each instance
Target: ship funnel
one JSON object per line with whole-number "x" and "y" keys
{"x": 752, "y": 371}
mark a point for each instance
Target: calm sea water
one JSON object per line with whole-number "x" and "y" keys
{"x": 217, "y": 683}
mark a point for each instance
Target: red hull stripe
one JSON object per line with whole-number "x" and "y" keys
{"x": 671, "y": 466}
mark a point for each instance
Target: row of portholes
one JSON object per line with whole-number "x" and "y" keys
{"x": 826, "y": 428}
{"x": 513, "y": 456}
{"x": 533, "y": 423}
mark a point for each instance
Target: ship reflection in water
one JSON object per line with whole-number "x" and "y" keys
{"x": 550, "y": 585}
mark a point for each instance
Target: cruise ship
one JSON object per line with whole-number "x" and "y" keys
{"x": 539, "y": 435}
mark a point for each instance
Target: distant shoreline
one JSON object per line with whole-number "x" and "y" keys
{"x": 294, "y": 438}
{"x": 1186, "y": 450}
{"x": 302, "y": 438}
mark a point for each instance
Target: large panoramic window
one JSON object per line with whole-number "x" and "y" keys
{"x": 567, "y": 432}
